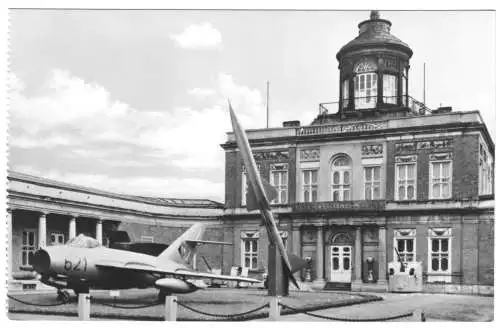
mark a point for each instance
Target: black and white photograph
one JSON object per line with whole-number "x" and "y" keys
{"x": 250, "y": 164}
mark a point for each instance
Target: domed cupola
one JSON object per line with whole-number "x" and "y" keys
{"x": 373, "y": 68}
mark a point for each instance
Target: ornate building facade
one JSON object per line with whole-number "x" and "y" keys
{"x": 375, "y": 175}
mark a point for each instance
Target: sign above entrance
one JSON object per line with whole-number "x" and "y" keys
{"x": 339, "y": 206}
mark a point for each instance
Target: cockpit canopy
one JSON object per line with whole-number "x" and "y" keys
{"x": 83, "y": 241}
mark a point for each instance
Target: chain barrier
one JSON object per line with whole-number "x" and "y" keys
{"x": 127, "y": 307}
{"x": 223, "y": 315}
{"x": 345, "y": 319}
{"x": 35, "y": 304}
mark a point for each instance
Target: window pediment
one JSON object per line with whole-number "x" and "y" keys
{"x": 249, "y": 235}
{"x": 405, "y": 232}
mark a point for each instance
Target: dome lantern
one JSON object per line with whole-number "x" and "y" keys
{"x": 373, "y": 68}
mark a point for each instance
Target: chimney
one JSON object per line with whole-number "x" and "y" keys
{"x": 288, "y": 124}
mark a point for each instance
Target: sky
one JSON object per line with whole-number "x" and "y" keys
{"x": 135, "y": 101}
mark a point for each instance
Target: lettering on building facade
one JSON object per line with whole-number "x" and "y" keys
{"x": 339, "y": 206}
{"x": 337, "y": 129}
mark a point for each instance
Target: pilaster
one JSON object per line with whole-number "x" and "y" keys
{"x": 42, "y": 231}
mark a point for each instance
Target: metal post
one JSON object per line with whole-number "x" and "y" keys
{"x": 170, "y": 308}
{"x": 274, "y": 308}
{"x": 267, "y": 106}
{"x": 418, "y": 316}
{"x": 84, "y": 306}
{"x": 424, "y": 83}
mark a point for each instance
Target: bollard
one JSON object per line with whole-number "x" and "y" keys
{"x": 170, "y": 308}
{"x": 418, "y": 316}
{"x": 274, "y": 308}
{"x": 84, "y": 307}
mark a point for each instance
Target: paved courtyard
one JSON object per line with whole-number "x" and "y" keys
{"x": 436, "y": 307}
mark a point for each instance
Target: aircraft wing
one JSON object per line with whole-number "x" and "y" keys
{"x": 112, "y": 266}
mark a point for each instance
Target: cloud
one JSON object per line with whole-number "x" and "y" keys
{"x": 198, "y": 36}
{"x": 68, "y": 113}
{"x": 201, "y": 92}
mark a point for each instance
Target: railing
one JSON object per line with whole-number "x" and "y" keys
{"x": 275, "y": 312}
{"x": 370, "y": 102}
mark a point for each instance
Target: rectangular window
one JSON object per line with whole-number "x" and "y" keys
{"x": 249, "y": 250}
{"x": 147, "y": 238}
{"x": 440, "y": 179}
{"x": 439, "y": 263}
{"x": 404, "y": 244}
{"x": 485, "y": 172}
{"x": 244, "y": 188}
{"x": 56, "y": 238}
{"x": 372, "y": 183}
{"x": 406, "y": 181}
{"x": 406, "y": 249}
{"x": 405, "y": 102}
{"x": 279, "y": 180}
{"x": 345, "y": 93}
{"x": 310, "y": 185}
{"x": 390, "y": 89}
{"x": 365, "y": 91}
{"x": 28, "y": 247}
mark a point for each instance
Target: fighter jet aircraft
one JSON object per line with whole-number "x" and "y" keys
{"x": 84, "y": 262}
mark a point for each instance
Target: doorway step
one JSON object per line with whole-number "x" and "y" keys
{"x": 341, "y": 286}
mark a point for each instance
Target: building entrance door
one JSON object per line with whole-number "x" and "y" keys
{"x": 341, "y": 263}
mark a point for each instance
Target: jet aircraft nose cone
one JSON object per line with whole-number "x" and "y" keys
{"x": 41, "y": 261}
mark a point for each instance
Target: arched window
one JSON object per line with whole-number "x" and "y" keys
{"x": 341, "y": 178}
{"x": 365, "y": 85}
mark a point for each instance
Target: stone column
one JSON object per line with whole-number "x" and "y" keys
{"x": 72, "y": 227}
{"x": 10, "y": 226}
{"x": 358, "y": 257}
{"x": 42, "y": 231}
{"x": 320, "y": 261}
{"x": 98, "y": 230}
{"x": 382, "y": 255}
{"x": 296, "y": 246}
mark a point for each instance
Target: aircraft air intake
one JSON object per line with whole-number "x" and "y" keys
{"x": 41, "y": 261}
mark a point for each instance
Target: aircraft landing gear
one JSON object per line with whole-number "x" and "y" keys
{"x": 162, "y": 295}
{"x": 63, "y": 295}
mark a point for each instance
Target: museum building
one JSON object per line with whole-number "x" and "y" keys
{"x": 43, "y": 212}
{"x": 374, "y": 176}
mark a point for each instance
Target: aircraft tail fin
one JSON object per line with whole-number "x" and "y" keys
{"x": 181, "y": 250}
{"x": 297, "y": 263}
